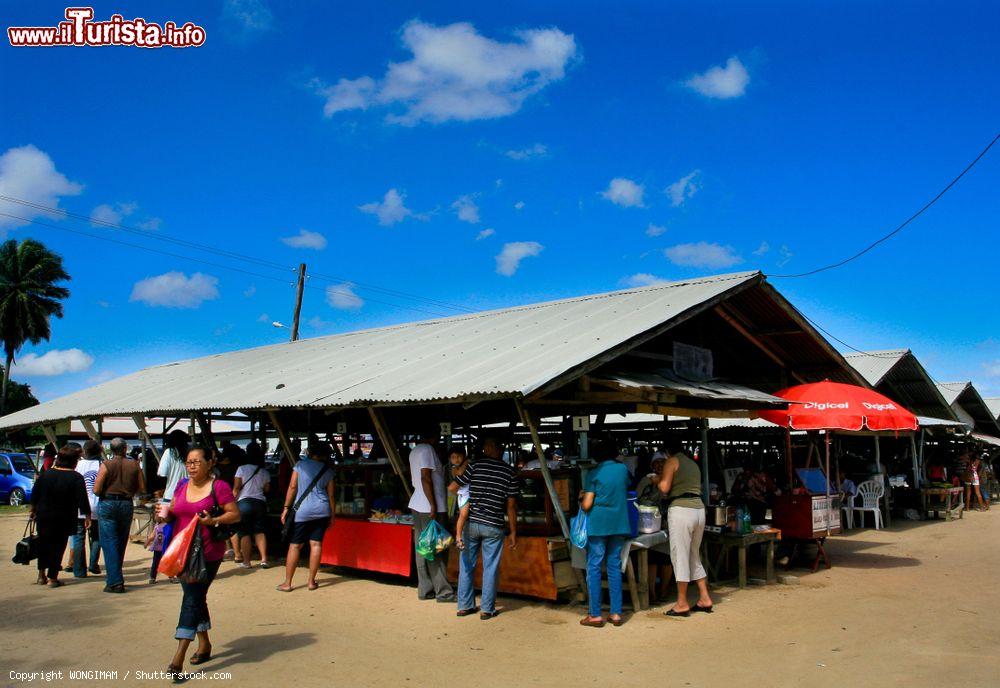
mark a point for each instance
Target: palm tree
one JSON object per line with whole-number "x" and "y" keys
{"x": 29, "y": 296}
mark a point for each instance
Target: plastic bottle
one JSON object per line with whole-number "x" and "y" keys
{"x": 747, "y": 526}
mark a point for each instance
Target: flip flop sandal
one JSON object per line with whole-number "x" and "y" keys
{"x": 616, "y": 622}
{"x": 671, "y": 612}
{"x": 486, "y": 616}
{"x": 314, "y": 586}
{"x": 198, "y": 658}
{"x": 697, "y": 608}
{"x": 467, "y": 612}
{"x": 586, "y": 621}
{"x": 282, "y": 588}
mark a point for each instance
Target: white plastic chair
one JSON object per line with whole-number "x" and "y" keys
{"x": 870, "y": 492}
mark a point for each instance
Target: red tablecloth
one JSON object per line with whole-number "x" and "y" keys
{"x": 382, "y": 547}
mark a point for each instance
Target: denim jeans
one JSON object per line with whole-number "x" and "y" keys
{"x": 114, "y": 523}
{"x": 194, "y": 616}
{"x": 599, "y": 548}
{"x": 80, "y": 549}
{"x": 489, "y": 539}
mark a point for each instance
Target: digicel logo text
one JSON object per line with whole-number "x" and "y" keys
{"x": 824, "y": 406}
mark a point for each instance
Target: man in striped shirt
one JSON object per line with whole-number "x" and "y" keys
{"x": 493, "y": 490}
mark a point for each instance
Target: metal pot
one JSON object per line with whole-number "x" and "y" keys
{"x": 721, "y": 515}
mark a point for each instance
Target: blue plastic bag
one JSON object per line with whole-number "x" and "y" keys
{"x": 433, "y": 540}
{"x": 578, "y": 529}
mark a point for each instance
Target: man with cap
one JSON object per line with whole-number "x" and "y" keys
{"x": 429, "y": 502}
{"x": 310, "y": 493}
{"x": 88, "y": 467}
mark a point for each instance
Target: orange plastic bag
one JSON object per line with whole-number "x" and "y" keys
{"x": 174, "y": 559}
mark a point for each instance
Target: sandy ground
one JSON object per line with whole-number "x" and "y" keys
{"x": 915, "y": 606}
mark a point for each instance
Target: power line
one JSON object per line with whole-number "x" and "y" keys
{"x": 228, "y": 253}
{"x": 205, "y": 262}
{"x": 900, "y": 228}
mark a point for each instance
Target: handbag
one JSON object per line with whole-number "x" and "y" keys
{"x": 196, "y": 566}
{"x": 223, "y": 531}
{"x": 26, "y": 550}
{"x": 289, "y": 525}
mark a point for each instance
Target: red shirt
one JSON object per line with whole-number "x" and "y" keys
{"x": 184, "y": 511}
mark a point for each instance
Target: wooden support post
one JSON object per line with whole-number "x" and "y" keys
{"x": 789, "y": 464}
{"x": 50, "y": 435}
{"x": 391, "y": 448}
{"x": 283, "y": 438}
{"x": 532, "y": 426}
{"x": 704, "y": 461}
{"x": 916, "y": 461}
{"x": 206, "y": 431}
{"x": 93, "y": 433}
{"x": 826, "y": 505}
{"x": 140, "y": 424}
{"x": 885, "y": 482}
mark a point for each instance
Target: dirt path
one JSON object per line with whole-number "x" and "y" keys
{"x": 915, "y": 606}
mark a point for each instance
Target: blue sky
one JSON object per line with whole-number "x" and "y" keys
{"x": 491, "y": 156}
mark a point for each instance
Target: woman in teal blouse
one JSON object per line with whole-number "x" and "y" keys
{"x": 605, "y": 499}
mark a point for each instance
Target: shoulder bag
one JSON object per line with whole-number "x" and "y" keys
{"x": 223, "y": 531}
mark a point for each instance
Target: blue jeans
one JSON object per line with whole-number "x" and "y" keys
{"x": 599, "y": 548}
{"x": 114, "y": 522}
{"x": 194, "y": 616}
{"x": 80, "y": 549}
{"x": 489, "y": 539}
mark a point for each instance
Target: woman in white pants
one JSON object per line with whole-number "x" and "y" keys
{"x": 680, "y": 482}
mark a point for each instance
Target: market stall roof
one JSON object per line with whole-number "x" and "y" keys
{"x": 665, "y": 381}
{"x": 993, "y": 403}
{"x": 970, "y": 407}
{"x": 116, "y": 426}
{"x": 500, "y": 354}
{"x": 899, "y": 375}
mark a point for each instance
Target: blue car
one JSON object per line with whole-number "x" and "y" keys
{"x": 17, "y": 474}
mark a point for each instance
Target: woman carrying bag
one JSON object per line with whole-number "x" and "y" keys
{"x": 211, "y": 502}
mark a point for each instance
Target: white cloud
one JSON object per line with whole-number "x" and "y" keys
{"x": 100, "y": 377}
{"x": 466, "y": 209}
{"x": 702, "y": 255}
{"x": 992, "y": 368}
{"x": 485, "y": 234}
{"x": 642, "y": 279}
{"x": 456, "y": 73}
{"x": 317, "y": 323}
{"x": 683, "y": 189}
{"x": 176, "y": 290}
{"x": 250, "y": 291}
{"x": 150, "y": 225}
{"x": 538, "y": 150}
{"x": 624, "y": 192}
{"x": 30, "y": 175}
{"x": 519, "y": 205}
{"x": 264, "y": 318}
{"x": 390, "y": 211}
{"x": 246, "y": 18}
{"x": 721, "y": 82}
{"x": 52, "y": 363}
{"x": 305, "y": 239}
{"x": 655, "y": 230}
{"x": 785, "y": 255}
{"x": 106, "y": 214}
{"x": 342, "y": 296}
{"x": 510, "y": 257}
{"x": 762, "y": 249}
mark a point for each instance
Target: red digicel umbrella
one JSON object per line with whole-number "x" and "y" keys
{"x": 835, "y": 406}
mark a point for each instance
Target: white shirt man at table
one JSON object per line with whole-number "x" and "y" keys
{"x": 429, "y": 502}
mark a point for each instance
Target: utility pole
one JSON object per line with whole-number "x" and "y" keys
{"x": 298, "y": 301}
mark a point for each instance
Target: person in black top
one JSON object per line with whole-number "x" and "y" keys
{"x": 58, "y": 497}
{"x": 493, "y": 490}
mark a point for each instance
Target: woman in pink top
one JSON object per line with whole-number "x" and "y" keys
{"x": 194, "y": 500}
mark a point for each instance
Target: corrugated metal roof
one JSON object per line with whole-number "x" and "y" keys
{"x": 952, "y": 390}
{"x": 994, "y": 405}
{"x": 716, "y": 390}
{"x": 501, "y": 352}
{"x": 874, "y": 365}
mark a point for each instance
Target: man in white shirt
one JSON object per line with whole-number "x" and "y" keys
{"x": 429, "y": 502}
{"x": 87, "y": 467}
{"x": 172, "y": 462}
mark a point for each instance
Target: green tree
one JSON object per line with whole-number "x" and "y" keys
{"x": 29, "y": 296}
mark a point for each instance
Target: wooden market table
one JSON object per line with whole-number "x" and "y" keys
{"x": 741, "y": 543}
{"x": 943, "y": 500}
